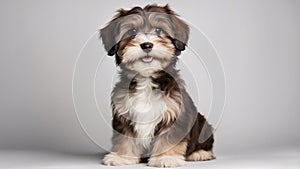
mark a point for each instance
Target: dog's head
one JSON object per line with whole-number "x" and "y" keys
{"x": 146, "y": 39}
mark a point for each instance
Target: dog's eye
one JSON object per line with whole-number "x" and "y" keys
{"x": 132, "y": 32}
{"x": 158, "y": 31}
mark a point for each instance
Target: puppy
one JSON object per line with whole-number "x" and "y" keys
{"x": 154, "y": 118}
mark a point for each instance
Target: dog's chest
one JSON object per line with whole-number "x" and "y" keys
{"x": 146, "y": 110}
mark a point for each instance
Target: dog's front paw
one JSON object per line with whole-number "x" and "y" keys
{"x": 166, "y": 161}
{"x": 201, "y": 155}
{"x": 114, "y": 160}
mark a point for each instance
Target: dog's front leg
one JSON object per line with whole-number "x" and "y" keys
{"x": 124, "y": 151}
{"x": 166, "y": 154}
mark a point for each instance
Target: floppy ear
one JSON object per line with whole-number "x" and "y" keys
{"x": 181, "y": 30}
{"x": 109, "y": 32}
{"x": 108, "y": 38}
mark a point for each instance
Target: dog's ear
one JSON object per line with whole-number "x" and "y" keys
{"x": 109, "y": 32}
{"x": 107, "y": 35}
{"x": 181, "y": 30}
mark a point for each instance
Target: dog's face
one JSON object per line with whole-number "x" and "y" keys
{"x": 145, "y": 40}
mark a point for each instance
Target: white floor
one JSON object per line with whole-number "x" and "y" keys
{"x": 275, "y": 159}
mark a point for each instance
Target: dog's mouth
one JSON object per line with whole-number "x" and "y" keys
{"x": 147, "y": 59}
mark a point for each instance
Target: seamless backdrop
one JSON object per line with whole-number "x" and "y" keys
{"x": 258, "y": 42}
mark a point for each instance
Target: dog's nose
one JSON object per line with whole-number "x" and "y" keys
{"x": 147, "y": 46}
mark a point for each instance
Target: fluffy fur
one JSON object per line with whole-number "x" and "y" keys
{"x": 154, "y": 118}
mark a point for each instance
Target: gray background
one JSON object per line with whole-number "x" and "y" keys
{"x": 258, "y": 42}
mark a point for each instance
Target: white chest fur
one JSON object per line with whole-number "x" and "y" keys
{"x": 146, "y": 110}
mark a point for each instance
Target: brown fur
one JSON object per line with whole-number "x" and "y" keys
{"x": 182, "y": 132}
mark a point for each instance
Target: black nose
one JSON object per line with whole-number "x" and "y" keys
{"x": 147, "y": 46}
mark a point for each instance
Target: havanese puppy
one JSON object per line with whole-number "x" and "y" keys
{"x": 154, "y": 118}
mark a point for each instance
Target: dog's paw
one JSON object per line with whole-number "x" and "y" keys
{"x": 112, "y": 159}
{"x": 201, "y": 155}
{"x": 166, "y": 161}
